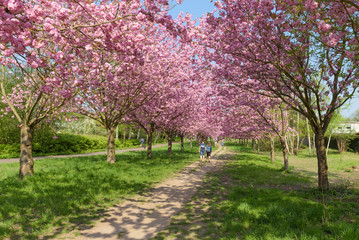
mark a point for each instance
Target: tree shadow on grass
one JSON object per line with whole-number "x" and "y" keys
{"x": 64, "y": 193}
{"x": 252, "y": 199}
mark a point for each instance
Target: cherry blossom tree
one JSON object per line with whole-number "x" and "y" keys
{"x": 302, "y": 53}
{"x": 46, "y": 40}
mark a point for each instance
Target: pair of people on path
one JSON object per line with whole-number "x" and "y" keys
{"x": 203, "y": 149}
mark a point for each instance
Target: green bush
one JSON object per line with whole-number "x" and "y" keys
{"x": 9, "y": 148}
{"x": 46, "y": 143}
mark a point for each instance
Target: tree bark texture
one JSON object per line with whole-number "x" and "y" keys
{"x": 26, "y": 160}
{"x": 182, "y": 143}
{"x": 149, "y": 141}
{"x": 258, "y": 146}
{"x": 272, "y": 152}
{"x": 323, "y": 181}
{"x": 170, "y": 135}
{"x": 111, "y": 156}
{"x": 253, "y": 144}
{"x": 285, "y": 152}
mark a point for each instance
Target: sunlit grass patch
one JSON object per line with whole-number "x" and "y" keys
{"x": 67, "y": 192}
{"x": 253, "y": 198}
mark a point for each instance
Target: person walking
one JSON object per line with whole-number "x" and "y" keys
{"x": 141, "y": 142}
{"x": 209, "y": 150}
{"x": 202, "y": 150}
{"x": 222, "y": 142}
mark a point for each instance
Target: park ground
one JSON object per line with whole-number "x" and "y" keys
{"x": 248, "y": 198}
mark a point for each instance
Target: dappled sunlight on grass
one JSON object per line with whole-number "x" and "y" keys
{"x": 253, "y": 198}
{"x": 70, "y": 191}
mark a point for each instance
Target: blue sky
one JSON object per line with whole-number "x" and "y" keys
{"x": 199, "y": 7}
{"x": 195, "y": 7}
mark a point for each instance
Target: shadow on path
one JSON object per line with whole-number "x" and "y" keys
{"x": 141, "y": 217}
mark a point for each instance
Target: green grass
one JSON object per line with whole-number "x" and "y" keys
{"x": 336, "y": 161}
{"x": 254, "y": 199}
{"x": 70, "y": 191}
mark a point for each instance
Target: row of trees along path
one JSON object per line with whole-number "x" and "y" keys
{"x": 234, "y": 74}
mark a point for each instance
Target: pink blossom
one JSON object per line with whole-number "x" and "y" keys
{"x": 219, "y": 5}
{"x": 324, "y": 26}
{"x": 8, "y": 52}
{"x": 88, "y": 47}
{"x": 14, "y": 6}
{"x": 141, "y": 17}
{"x": 311, "y": 5}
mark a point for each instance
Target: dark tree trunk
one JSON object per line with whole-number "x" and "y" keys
{"x": 111, "y": 156}
{"x": 149, "y": 141}
{"x": 26, "y": 160}
{"x": 323, "y": 181}
{"x": 169, "y": 135}
{"x": 258, "y": 146}
{"x": 182, "y": 143}
{"x": 342, "y": 144}
{"x": 285, "y": 152}
{"x": 272, "y": 152}
{"x": 253, "y": 144}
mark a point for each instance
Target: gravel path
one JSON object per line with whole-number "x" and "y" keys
{"x": 11, "y": 160}
{"x": 142, "y": 217}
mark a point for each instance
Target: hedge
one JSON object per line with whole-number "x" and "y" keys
{"x": 65, "y": 144}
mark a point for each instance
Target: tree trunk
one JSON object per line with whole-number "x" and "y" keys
{"x": 326, "y": 152}
{"x": 138, "y": 133}
{"x": 191, "y": 145}
{"x": 258, "y": 146}
{"x": 285, "y": 152}
{"x": 117, "y": 132}
{"x": 272, "y": 152}
{"x": 291, "y": 143}
{"x": 247, "y": 144}
{"x": 298, "y": 137}
{"x": 157, "y": 135}
{"x": 287, "y": 145}
{"x": 111, "y": 157}
{"x": 342, "y": 144}
{"x": 313, "y": 142}
{"x": 182, "y": 143}
{"x": 323, "y": 181}
{"x": 149, "y": 141}
{"x": 26, "y": 160}
{"x": 169, "y": 135}
{"x": 309, "y": 144}
{"x": 253, "y": 144}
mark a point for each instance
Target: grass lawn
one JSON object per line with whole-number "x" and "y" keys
{"x": 66, "y": 192}
{"x": 254, "y": 199}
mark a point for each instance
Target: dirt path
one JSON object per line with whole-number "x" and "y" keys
{"x": 11, "y": 160}
{"x": 142, "y": 217}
